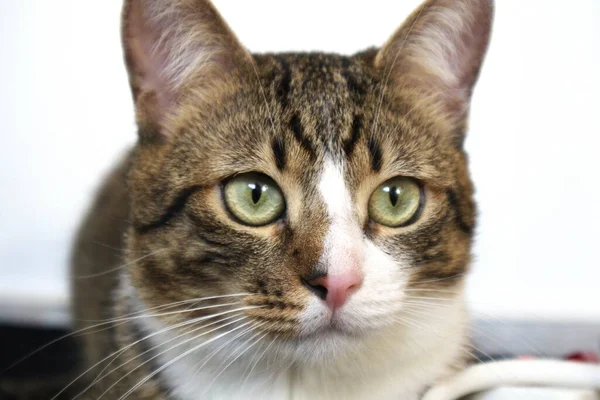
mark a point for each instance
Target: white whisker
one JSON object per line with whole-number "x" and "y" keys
{"x": 264, "y": 96}
{"x": 238, "y": 356}
{"x": 206, "y": 359}
{"x": 419, "y": 325}
{"x": 122, "y": 350}
{"x": 185, "y": 333}
{"x": 169, "y": 305}
{"x": 157, "y": 371}
{"x": 111, "y": 324}
{"x": 118, "y": 268}
{"x": 255, "y": 363}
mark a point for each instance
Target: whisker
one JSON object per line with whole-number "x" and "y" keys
{"x": 498, "y": 339}
{"x": 176, "y": 312}
{"x": 528, "y": 344}
{"x": 206, "y": 359}
{"x": 117, "y": 353}
{"x": 117, "y": 249}
{"x": 101, "y": 375}
{"x": 418, "y": 315}
{"x": 439, "y": 299}
{"x": 111, "y": 324}
{"x": 68, "y": 335}
{"x": 230, "y": 342}
{"x": 238, "y": 356}
{"x": 424, "y": 327}
{"x": 264, "y": 96}
{"x": 533, "y": 317}
{"x": 257, "y": 361}
{"x": 159, "y": 354}
{"x": 445, "y": 291}
{"x": 118, "y": 268}
{"x": 277, "y": 371}
{"x": 411, "y": 323}
{"x": 157, "y": 371}
{"x": 169, "y": 305}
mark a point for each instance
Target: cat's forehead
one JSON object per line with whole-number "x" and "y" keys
{"x": 296, "y": 111}
{"x": 327, "y": 93}
{"x": 345, "y": 110}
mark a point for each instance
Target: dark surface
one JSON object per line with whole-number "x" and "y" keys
{"x": 17, "y": 342}
{"x": 30, "y": 372}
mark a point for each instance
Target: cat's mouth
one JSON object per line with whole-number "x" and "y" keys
{"x": 331, "y": 333}
{"x": 336, "y": 326}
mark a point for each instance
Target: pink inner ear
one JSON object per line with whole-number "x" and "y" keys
{"x": 171, "y": 45}
{"x": 441, "y": 46}
{"x": 147, "y": 60}
{"x": 474, "y": 41}
{"x": 452, "y": 42}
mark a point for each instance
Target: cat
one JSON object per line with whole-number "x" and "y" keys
{"x": 288, "y": 226}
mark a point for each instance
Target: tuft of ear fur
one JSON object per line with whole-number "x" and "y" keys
{"x": 439, "y": 50}
{"x": 170, "y": 44}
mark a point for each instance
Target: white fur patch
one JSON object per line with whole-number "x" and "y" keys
{"x": 332, "y": 187}
{"x": 342, "y": 249}
{"x": 346, "y": 248}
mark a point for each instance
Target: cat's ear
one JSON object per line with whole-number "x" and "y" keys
{"x": 170, "y": 44}
{"x": 439, "y": 50}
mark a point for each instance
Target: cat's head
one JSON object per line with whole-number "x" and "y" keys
{"x": 324, "y": 194}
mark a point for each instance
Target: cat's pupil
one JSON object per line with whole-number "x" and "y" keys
{"x": 394, "y": 194}
{"x": 256, "y": 192}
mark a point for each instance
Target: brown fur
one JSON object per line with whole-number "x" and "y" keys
{"x": 161, "y": 210}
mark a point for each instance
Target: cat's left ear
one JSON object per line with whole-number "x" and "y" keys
{"x": 171, "y": 46}
{"x": 439, "y": 51}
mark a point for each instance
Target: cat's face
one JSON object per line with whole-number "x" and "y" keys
{"x": 326, "y": 194}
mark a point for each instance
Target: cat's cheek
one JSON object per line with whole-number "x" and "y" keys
{"x": 381, "y": 293}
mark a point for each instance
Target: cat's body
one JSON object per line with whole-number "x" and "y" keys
{"x": 211, "y": 301}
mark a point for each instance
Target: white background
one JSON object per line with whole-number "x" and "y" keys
{"x": 66, "y": 114}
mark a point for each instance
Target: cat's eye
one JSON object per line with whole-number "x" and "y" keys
{"x": 254, "y": 199}
{"x": 396, "y": 202}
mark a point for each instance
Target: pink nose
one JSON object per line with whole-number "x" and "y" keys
{"x": 336, "y": 289}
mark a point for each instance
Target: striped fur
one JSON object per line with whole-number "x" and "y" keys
{"x": 328, "y": 129}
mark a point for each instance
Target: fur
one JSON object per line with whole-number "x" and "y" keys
{"x": 205, "y": 307}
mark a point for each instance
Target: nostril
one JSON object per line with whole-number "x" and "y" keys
{"x": 319, "y": 290}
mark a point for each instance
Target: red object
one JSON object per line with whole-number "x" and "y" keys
{"x": 584, "y": 356}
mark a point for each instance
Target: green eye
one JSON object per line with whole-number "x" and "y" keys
{"x": 254, "y": 199}
{"x": 396, "y": 202}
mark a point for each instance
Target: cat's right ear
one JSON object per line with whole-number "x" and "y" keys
{"x": 171, "y": 45}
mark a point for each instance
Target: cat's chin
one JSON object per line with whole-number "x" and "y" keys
{"x": 351, "y": 323}
{"x": 335, "y": 332}
{"x": 320, "y": 347}
{"x": 328, "y": 343}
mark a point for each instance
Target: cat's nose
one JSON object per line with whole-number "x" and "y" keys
{"x": 335, "y": 289}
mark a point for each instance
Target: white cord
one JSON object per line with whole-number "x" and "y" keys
{"x": 552, "y": 373}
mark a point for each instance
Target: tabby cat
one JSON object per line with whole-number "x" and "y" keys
{"x": 288, "y": 226}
